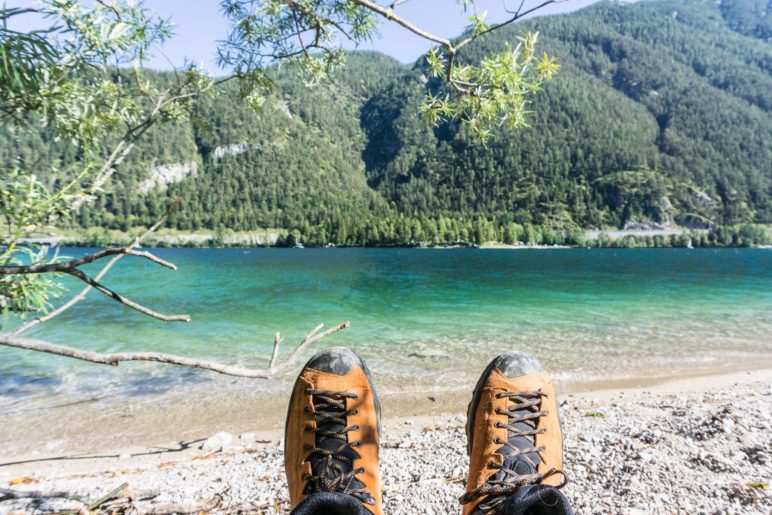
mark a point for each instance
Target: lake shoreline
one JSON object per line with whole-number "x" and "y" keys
{"x": 192, "y": 418}
{"x": 251, "y": 470}
{"x": 647, "y": 237}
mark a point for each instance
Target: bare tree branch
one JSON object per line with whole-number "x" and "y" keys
{"x": 447, "y": 44}
{"x": 389, "y": 15}
{"x": 71, "y": 268}
{"x": 517, "y": 15}
{"x": 82, "y": 295}
{"x": 114, "y": 359}
{"x": 125, "y": 301}
{"x": 309, "y": 339}
{"x": 397, "y": 3}
{"x": 67, "y": 266}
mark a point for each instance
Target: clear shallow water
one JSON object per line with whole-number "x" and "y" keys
{"x": 423, "y": 319}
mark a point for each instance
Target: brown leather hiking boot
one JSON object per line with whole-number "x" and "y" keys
{"x": 332, "y": 430}
{"x": 513, "y": 433}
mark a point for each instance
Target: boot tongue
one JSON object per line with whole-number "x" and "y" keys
{"x": 520, "y": 463}
{"x": 331, "y": 468}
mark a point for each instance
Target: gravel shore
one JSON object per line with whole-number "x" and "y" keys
{"x": 630, "y": 452}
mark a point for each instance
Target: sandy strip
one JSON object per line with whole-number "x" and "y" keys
{"x": 134, "y": 425}
{"x": 698, "y": 444}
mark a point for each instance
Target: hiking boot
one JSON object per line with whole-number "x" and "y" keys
{"x": 332, "y": 430}
{"x": 513, "y": 433}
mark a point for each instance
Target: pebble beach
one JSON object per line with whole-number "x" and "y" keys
{"x": 700, "y": 446}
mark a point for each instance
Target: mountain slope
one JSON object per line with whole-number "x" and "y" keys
{"x": 661, "y": 88}
{"x": 661, "y": 113}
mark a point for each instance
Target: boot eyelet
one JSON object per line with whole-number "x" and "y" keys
{"x": 307, "y": 427}
{"x": 355, "y": 427}
{"x": 355, "y": 412}
{"x": 497, "y": 440}
{"x": 307, "y": 447}
{"x": 306, "y": 410}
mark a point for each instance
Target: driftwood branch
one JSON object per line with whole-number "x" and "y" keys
{"x": 10, "y": 340}
{"x": 275, "y": 353}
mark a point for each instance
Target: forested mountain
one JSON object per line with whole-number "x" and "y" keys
{"x": 661, "y": 113}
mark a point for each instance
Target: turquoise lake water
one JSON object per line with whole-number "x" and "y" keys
{"x": 423, "y": 319}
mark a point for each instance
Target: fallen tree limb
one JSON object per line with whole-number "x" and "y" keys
{"x": 10, "y": 340}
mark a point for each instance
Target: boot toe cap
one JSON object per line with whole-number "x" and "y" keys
{"x": 516, "y": 364}
{"x": 335, "y": 360}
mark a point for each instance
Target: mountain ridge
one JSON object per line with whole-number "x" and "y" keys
{"x": 660, "y": 114}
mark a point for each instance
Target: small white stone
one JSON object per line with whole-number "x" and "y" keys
{"x": 216, "y": 442}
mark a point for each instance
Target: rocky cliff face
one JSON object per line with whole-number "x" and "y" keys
{"x": 159, "y": 177}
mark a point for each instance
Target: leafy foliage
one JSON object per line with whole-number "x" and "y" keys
{"x": 307, "y": 34}
{"x": 494, "y": 93}
{"x": 59, "y": 83}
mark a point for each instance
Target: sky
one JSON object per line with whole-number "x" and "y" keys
{"x": 199, "y": 25}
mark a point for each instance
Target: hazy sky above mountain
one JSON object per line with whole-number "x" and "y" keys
{"x": 200, "y": 24}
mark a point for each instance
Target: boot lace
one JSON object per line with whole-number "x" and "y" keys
{"x": 332, "y": 457}
{"x": 523, "y": 407}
